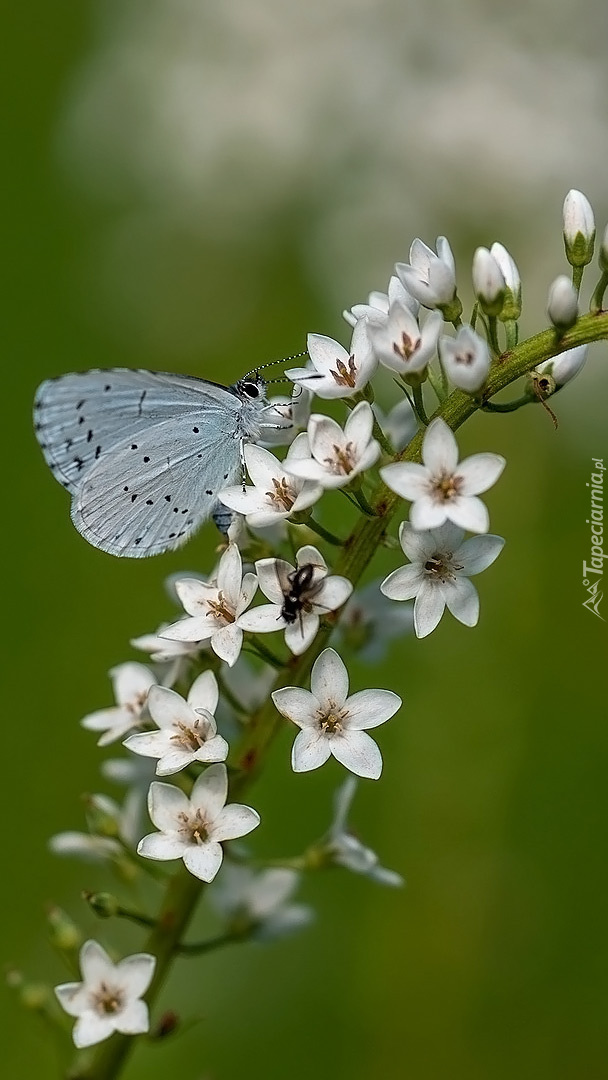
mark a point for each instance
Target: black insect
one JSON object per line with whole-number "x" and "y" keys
{"x": 301, "y": 590}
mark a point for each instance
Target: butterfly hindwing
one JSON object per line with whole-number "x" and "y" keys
{"x": 146, "y": 497}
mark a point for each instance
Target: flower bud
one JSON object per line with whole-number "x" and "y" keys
{"x": 566, "y": 366}
{"x": 465, "y": 359}
{"x": 511, "y": 306}
{"x": 562, "y": 307}
{"x": 488, "y": 282}
{"x": 579, "y": 228}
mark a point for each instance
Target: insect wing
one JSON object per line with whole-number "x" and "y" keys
{"x": 142, "y": 453}
{"x": 82, "y": 416}
{"x": 146, "y": 497}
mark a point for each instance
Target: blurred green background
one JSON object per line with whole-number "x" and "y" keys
{"x": 193, "y": 187}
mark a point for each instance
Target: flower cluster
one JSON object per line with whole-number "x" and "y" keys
{"x": 199, "y": 713}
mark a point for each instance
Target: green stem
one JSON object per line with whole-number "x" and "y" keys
{"x": 597, "y": 300}
{"x": 363, "y": 503}
{"x": 380, "y": 437}
{"x": 493, "y": 334}
{"x": 507, "y": 406}
{"x": 198, "y": 948}
{"x": 264, "y": 653}
{"x": 419, "y": 405}
{"x": 323, "y": 532}
{"x": 577, "y": 277}
{"x": 105, "y": 1061}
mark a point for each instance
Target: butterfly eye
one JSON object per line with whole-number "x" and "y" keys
{"x": 251, "y": 389}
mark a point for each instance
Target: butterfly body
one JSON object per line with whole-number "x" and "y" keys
{"x": 144, "y": 454}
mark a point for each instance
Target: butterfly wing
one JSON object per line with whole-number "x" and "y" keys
{"x": 136, "y": 504}
{"x": 142, "y": 453}
{"x": 81, "y": 416}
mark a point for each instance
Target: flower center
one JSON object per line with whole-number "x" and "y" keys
{"x": 407, "y": 347}
{"x": 345, "y": 376}
{"x": 282, "y": 496}
{"x": 331, "y": 721}
{"x": 343, "y": 461}
{"x": 194, "y": 827}
{"x": 187, "y": 736}
{"x": 136, "y": 705}
{"x": 108, "y": 999}
{"x": 465, "y": 358}
{"x": 219, "y": 609}
{"x": 441, "y": 567}
{"x": 446, "y": 487}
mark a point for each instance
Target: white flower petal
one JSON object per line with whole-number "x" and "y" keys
{"x": 204, "y": 692}
{"x": 463, "y": 601}
{"x": 233, "y": 821}
{"x": 370, "y": 708}
{"x": 134, "y": 1019}
{"x": 296, "y": 704}
{"x": 136, "y": 973}
{"x": 439, "y": 448}
{"x": 204, "y": 860}
{"x": 479, "y": 552}
{"x": 161, "y": 847}
{"x": 165, "y": 803}
{"x": 428, "y": 609}
{"x": 357, "y": 752}
{"x": 469, "y": 512}
{"x": 479, "y": 472}
{"x": 310, "y": 750}
{"x": 210, "y": 790}
{"x": 91, "y": 1028}
{"x": 329, "y": 678}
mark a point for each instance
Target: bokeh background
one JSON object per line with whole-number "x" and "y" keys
{"x": 193, "y": 186}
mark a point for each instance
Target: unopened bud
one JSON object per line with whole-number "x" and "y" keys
{"x": 488, "y": 282}
{"x": 65, "y": 934}
{"x": 103, "y": 904}
{"x": 511, "y": 305}
{"x": 579, "y": 228}
{"x": 563, "y": 368}
{"x": 562, "y": 307}
{"x": 465, "y": 359}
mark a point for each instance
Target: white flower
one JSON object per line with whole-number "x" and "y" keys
{"x": 399, "y": 424}
{"x": 173, "y": 656}
{"x": 336, "y": 373}
{"x": 488, "y": 281}
{"x": 566, "y": 366}
{"x": 346, "y": 850}
{"x": 441, "y": 489}
{"x": 369, "y": 621}
{"x": 214, "y": 607}
{"x": 300, "y": 594}
{"x": 336, "y": 455}
{"x": 193, "y": 828}
{"x": 562, "y": 306}
{"x": 257, "y": 904}
{"x": 438, "y": 573}
{"x": 187, "y": 729}
{"x": 399, "y": 342}
{"x": 277, "y": 492}
{"x": 289, "y": 414}
{"x": 430, "y": 277}
{"x": 334, "y": 723}
{"x": 511, "y": 307}
{"x": 465, "y": 359}
{"x": 131, "y": 683}
{"x": 579, "y": 228}
{"x": 380, "y": 302}
{"x": 109, "y": 998}
{"x": 85, "y": 846}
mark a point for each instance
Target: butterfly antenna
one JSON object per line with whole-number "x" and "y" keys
{"x": 271, "y": 363}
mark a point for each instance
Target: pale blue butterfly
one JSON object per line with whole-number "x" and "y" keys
{"x": 144, "y": 453}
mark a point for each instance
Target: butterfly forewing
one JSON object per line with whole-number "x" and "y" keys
{"x": 143, "y": 453}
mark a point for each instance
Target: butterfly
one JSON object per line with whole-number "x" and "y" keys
{"x": 144, "y": 453}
